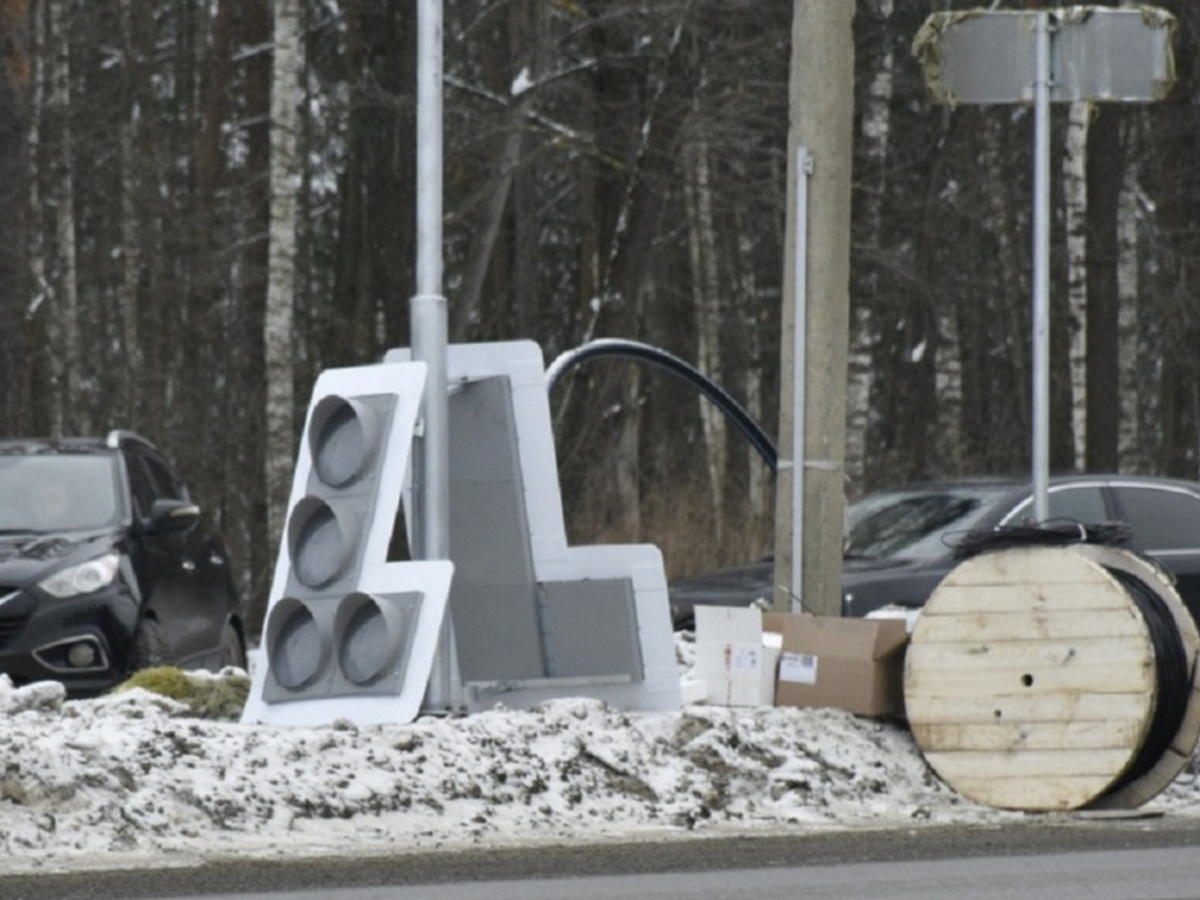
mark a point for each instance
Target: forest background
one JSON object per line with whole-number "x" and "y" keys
{"x": 207, "y": 202}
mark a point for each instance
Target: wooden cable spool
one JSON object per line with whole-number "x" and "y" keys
{"x": 1031, "y": 681}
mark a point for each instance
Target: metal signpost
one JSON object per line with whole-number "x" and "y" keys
{"x": 1078, "y": 53}
{"x": 429, "y": 329}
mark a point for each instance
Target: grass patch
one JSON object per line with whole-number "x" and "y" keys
{"x": 206, "y": 696}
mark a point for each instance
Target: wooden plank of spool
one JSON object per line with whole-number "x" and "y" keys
{"x": 1183, "y": 745}
{"x": 1005, "y": 690}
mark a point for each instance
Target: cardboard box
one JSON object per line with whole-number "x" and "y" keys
{"x": 851, "y": 664}
{"x": 735, "y": 660}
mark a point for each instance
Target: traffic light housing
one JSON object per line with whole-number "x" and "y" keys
{"x": 348, "y": 634}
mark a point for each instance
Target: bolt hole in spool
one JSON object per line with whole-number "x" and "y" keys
{"x": 1099, "y": 651}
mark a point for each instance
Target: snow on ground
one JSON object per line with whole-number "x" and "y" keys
{"x": 134, "y": 777}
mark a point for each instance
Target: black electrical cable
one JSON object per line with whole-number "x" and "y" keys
{"x": 1058, "y": 533}
{"x": 1171, "y": 667}
{"x": 644, "y": 352}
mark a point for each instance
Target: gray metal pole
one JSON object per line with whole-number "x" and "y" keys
{"x": 799, "y": 372}
{"x": 427, "y": 309}
{"x": 1041, "y": 273}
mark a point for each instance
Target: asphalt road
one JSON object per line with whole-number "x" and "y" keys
{"x": 852, "y": 854}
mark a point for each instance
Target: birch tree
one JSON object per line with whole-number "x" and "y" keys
{"x": 1074, "y": 172}
{"x": 281, "y": 285}
{"x": 1131, "y": 365}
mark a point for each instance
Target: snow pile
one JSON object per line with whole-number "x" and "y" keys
{"x": 134, "y": 774}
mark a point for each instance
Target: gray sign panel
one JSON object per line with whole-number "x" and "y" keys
{"x": 1097, "y": 54}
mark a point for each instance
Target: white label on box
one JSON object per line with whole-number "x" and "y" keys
{"x": 733, "y": 671}
{"x": 800, "y": 668}
{"x": 745, "y": 659}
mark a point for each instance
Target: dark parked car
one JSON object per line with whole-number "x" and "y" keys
{"x": 107, "y": 566}
{"x": 900, "y": 542}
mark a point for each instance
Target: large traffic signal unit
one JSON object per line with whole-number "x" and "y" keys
{"x": 351, "y": 635}
{"x": 348, "y": 634}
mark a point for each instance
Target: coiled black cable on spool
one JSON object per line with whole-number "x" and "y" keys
{"x": 1173, "y": 677}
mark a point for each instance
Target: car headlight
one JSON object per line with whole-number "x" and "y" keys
{"x": 82, "y": 578}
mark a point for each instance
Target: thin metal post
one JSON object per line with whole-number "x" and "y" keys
{"x": 1041, "y": 273}
{"x": 431, "y": 538}
{"x": 799, "y": 371}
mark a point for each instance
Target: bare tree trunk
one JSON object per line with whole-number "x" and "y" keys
{"x": 130, "y": 264}
{"x": 948, "y": 381}
{"x": 876, "y": 126}
{"x": 627, "y": 459}
{"x": 1173, "y": 291}
{"x": 510, "y": 189}
{"x": 528, "y": 29}
{"x": 1075, "y": 185}
{"x": 281, "y": 285}
{"x": 1105, "y": 171}
{"x": 1132, "y": 455}
{"x": 130, "y": 246}
{"x": 626, "y": 273}
{"x": 37, "y": 111}
{"x": 706, "y": 294}
{"x": 16, "y": 123}
{"x": 484, "y": 244}
{"x": 65, "y": 353}
{"x": 746, "y": 297}
{"x": 245, "y": 508}
{"x": 1012, "y": 319}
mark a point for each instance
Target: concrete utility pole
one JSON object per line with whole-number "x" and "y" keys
{"x": 810, "y": 493}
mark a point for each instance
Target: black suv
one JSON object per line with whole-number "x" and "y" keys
{"x": 107, "y": 566}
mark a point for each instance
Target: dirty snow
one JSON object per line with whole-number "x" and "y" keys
{"x": 134, "y": 777}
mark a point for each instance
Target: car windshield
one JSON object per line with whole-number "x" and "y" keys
{"x": 917, "y": 523}
{"x": 51, "y": 492}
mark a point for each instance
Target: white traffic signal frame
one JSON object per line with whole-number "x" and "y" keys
{"x": 534, "y": 618}
{"x": 347, "y": 634}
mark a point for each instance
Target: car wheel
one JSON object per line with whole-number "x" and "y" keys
{"x": 233, "y": 649}
{"x": 150, "y": 646}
